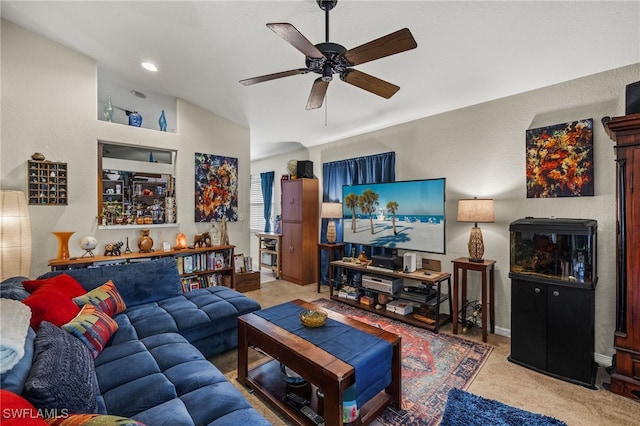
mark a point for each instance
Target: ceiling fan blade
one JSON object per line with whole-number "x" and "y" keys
{"x": 254, "y": 80}
{"x": 318, "y": 91}
{"x": 369, "y": 83}
{"x": 388, "y": 45}
{"x": 292, "y": 36}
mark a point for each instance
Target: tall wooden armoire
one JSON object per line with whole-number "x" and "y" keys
{"x": 625, "y": 379}
{"x": 300, "y": 226}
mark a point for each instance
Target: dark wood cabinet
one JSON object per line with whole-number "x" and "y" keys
{"x": 553, "y": 330}
{"x": 300, "y": 226}
{"x": 625, "y": 378}
{"x": 553, "y": 273}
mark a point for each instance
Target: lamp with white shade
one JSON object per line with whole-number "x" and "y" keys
{"x": 476, "y": 210}
{"x": 15, "y": 235}
{"x": 331, "y": 211}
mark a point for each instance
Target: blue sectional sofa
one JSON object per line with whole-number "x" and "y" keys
{"x": 154, "y": 368}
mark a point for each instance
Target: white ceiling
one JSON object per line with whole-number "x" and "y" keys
{"x": 468, "y": 53}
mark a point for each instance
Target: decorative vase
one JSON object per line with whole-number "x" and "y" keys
{"x": 63, "y": 244}
{"x": 162, "y": 122}
{"x": 108, "y": 110}
{"x": 135, "y": 119}
{"x": 145, "y": 243}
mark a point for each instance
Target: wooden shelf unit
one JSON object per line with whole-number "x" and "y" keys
{"x": 197, "y": 266}
{"x": 269, "y": 244}
{"x": 47, "y": 183}
{"x": 429, "y": 277}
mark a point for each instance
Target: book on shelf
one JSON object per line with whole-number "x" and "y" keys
{"x": 188, "y": 264}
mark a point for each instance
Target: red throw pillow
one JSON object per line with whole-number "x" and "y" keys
{"x": 17, "y": 411}
{"x": 62, "y": 283}
{"x": 51, "y": 306}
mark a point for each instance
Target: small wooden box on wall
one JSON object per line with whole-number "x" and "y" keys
{"x": 247, "y": 281}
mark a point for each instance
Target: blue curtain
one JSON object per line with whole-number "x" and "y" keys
{"x": 354, "y": 171}
{"x": 266, "y": 180}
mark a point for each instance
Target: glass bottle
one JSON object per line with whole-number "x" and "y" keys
{"x": 108, "y": 110}
{"x": 162, "y": 122}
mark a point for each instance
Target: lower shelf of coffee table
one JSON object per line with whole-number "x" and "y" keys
{"x": 266, "y": 380}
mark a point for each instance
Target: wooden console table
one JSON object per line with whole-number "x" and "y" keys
{"x": 433, "y": 278}
{"x": 487, "y": 268}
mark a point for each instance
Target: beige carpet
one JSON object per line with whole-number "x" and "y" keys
{"x": 499, "y": 379}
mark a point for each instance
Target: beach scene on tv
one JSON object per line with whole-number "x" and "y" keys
{"x": 404, "y": 215}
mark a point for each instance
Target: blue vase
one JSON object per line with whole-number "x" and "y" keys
{"x": 135, "y": 119}
{"x": 162, "y": 121}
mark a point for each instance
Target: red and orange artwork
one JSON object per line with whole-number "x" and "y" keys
{"x": 216, "y": 188}
{"x": 560, "y": 160}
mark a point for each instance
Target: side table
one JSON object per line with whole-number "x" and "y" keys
{"x": 331, "y": 248}
{"x": 487, "y": 268}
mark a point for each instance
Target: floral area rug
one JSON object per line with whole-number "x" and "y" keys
{"x": 432, "y": 365}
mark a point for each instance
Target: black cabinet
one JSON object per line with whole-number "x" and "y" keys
{"x": 553, "y": 280}
{"x": 552, "y": 329}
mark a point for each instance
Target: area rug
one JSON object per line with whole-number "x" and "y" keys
{"x": 432, "y": 365}
{"x": 467, "y": 409}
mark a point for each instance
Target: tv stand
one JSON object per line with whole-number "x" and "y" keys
{"x": 426, "y": 313}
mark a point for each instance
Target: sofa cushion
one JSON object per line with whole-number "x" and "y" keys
{"x": 138, "y": 283}
{"x": 62, "y": 375}
{"x": 92, "y": 420}
{"x": 92, "y": 327}
{"x": 46, "y": 305}
{"x": 106, "y": 298}
{"x": 62, "y": 283}
{"x": 25, "y": 413}
{"x": 197, "y": 314}
{"x": 12, "y": 288}
{"x": 184, "y": 384}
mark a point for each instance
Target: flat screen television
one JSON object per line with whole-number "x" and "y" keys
{"x": 406, "y": 215}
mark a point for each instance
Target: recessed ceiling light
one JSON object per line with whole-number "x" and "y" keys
{"x": 149, "y": 66}
{"x": 138, "y": 94}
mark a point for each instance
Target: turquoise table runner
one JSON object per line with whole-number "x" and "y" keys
{"x": 370, "y": 356}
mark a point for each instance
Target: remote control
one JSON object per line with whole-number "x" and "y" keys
{"x": 315, "y": 417}
{"x": 295, "y": 400}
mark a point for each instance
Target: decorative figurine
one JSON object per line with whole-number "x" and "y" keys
{"x": 88, "y": 243}
{"x": 224, "y": 236}
{"x": 202, "y": 240}
{"x": 145, "y": 243}
{"x": 113, "y": 249}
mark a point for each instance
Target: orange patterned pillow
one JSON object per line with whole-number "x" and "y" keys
{"x": 106, "y": 297}
{"x": 93, "y": 327}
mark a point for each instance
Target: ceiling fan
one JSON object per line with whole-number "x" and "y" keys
{"x": 330, "y": 58}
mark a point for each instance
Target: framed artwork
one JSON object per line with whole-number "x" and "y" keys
{"x": 560, "y": 160}
{"x": 216, "y": 188}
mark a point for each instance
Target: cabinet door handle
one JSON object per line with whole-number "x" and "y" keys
{"x": 537, "y": 290}
{"x": 556, "y": 293}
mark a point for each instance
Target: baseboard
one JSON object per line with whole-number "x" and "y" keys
{"x": 600, "y": 359}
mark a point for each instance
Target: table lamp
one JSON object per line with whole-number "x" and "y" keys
{"x": 15, "y": 235}
{"x": 331, "y": 211}
{"x": 476, "y": 210}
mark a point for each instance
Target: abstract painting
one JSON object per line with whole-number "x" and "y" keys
{"x": 216, "y": 188}
{"x": 560, "y": 160}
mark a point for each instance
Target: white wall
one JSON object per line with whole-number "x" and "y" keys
{"x": 481, "y": 152}
{"x": 49, "y": 98}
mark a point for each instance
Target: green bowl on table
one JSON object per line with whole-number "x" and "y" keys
{"x": 313, "y": 317}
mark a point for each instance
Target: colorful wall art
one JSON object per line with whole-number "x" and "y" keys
{"x": 560, "y": 160}
{"x": 216, "y": 188}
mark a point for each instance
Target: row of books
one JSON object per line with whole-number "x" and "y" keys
{"x": 202, "y": 281}
{"x": 206, "y": 261}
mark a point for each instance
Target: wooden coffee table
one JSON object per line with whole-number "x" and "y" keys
{"x": 321, "y": 369}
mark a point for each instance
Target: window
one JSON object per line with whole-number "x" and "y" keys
{"x": 256, "y": 201}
